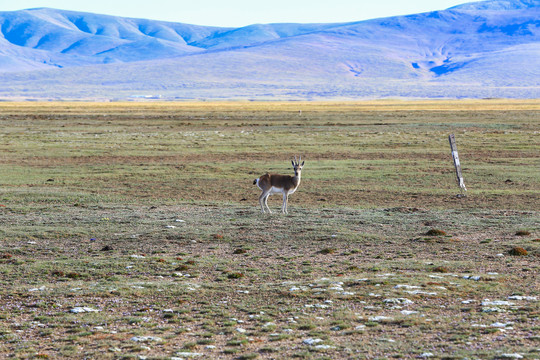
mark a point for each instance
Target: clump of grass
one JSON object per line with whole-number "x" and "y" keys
{"x": 182, "y": 268}
{"x": 235, "y": 275}
{"x": 523, "y": 233}
{"x": 240, "y": 251}
{"x": 217, "y": 237}
{"x": 73, "y": 275}
{"x": 5, "y": 256}
{"x": 518, "y": 251}
{"x": 441, "y": 269}
{"x": 58, "y": 273}
{"x": 248, "y": 356}
{"x": 435, "y": 232}
{"x": 327, "y": 251}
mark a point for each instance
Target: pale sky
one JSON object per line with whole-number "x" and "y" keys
{"x": 237, "y": 13}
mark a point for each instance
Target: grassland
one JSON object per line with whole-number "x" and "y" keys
{"x": 145, "y": 216}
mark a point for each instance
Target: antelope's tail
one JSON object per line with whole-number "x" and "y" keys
{"x": 256, "y": 182}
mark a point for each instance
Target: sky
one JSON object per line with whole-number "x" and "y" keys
{"x": 236, "y": 13}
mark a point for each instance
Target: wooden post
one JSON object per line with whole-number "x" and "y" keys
{"x": 455, "y": 156}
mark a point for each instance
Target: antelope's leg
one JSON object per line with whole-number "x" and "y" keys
{"x": 285, "y": 200}
{"x": 262, "y": 199}
{"x": 266, "y": 202}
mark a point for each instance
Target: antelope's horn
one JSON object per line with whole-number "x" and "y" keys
{"x": 295, "y": 161}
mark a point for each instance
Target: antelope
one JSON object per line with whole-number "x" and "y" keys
{"x": 274, "y": 184}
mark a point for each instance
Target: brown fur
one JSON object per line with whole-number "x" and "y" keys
{"x": 285, "y": 182}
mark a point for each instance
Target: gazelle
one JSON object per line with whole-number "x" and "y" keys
{"x": 274, "y": 184}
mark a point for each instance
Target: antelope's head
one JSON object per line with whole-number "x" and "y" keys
{"x": 297, "y": 166}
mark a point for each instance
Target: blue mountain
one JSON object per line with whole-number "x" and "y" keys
{"x": 481, "y": 49}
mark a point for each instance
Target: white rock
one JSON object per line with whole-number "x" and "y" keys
{"x": 470, "y": 277}
{"x": 468, "y": 301}
{"x": 146, "y": 338}
{"x": 324, "y": 347}
{"x": 37, "y": 289}
{"x": 402, "y": 301}
{"x": 519, "y": 297}
{"x": 170, "y": 227}
{"x": 240, "y": 330}
{"x": 408, "y": 312}
{"x": 492, "y": 309}
{"x": 312, "y": 341}
{"x": 82, "y": 309}
{"x": 179, "y": 220}
{"x": 336, "y": 288}
{"x": 500, "y": 325}
{"x": 137, "y": 256}
{"x": 189, "y": 354}
{"x": 511, "y": 356}
{"x": 420, "y": 292}
{"x": 360, "y": 327}
{"x": 426, "y": 355}
{"x": 380, "y": 318}
{"x": 405, "y": 286}
{"x": 487, "y": 302}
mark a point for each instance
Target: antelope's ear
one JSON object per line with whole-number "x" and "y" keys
{"x": 303, "y": 163}
{"x": 292, "y": 162}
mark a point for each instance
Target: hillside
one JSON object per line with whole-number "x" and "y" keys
{"x": 483, "y": 49}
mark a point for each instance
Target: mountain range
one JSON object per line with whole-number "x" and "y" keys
{"x": 475, "y": 50}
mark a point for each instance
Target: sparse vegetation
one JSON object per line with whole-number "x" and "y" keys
{"x": 143, "y": 247}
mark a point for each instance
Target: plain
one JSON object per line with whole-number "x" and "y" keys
{"x": 132, "y": 230}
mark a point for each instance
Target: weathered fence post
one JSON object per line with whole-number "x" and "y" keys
{"x": 455, "y": 156}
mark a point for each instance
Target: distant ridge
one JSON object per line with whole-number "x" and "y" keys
{"x": 474, "y": 50}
